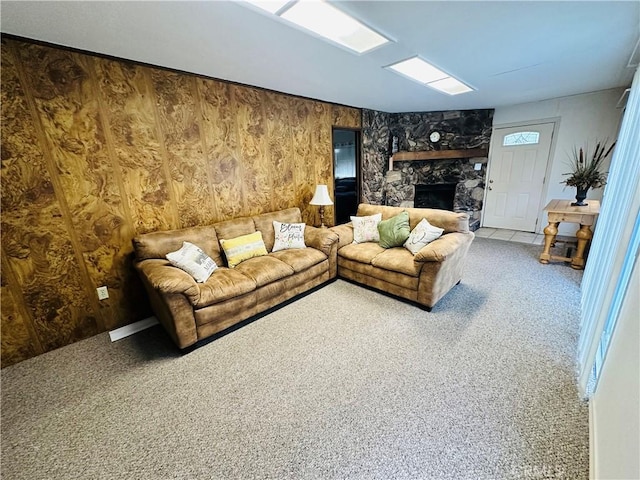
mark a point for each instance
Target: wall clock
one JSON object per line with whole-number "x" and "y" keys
{"x": 434, "y": 137}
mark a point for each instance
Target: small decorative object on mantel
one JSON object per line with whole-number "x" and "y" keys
{"x": 586, "y": 172}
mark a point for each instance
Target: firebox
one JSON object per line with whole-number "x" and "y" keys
{"x": 436, "y": 195}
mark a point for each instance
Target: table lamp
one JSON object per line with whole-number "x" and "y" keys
{"x": 321, "y": 197}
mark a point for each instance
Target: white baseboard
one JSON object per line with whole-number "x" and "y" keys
{"x": 122, "y": 332}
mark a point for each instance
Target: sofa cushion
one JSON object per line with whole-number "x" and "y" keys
{"x": 423, "y": 234}
{"x": 449, "y": 221}
{"x": 288, "y": 236}
{"x": 242, "y": 248}
{"x": 445, "y": 246}
{"x": 223, "y": 284}
{"x": 218, "y": 316}
{"x": 264, "y": 270}
{"x": 158, "y": 244}
{"x": 264, "y": 223}
{"x": 300, "y": 259}
{"x": 360, "y": 252}
{"x": 365, "y": 209}
{"x": 365, "y": 228}
{"x": 234, "y": 228}
{"x": 193, "y": 260}
{"x": 394, "y": 231}
{"x": 161, "y": 276}
{"x": 360, "y": 271}
{"x": 321, "y": 239}
{"x": 397, "y": 259}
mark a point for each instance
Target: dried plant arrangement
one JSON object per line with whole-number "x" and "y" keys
{"x": 586, "y": 172}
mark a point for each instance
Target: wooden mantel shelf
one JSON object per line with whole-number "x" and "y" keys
{"x": 437, "y": 155}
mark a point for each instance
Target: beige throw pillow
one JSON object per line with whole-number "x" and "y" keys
{"x": 288, "y": 235}
{"x": 423, "y": 234}
{"x": 365, "y": 229}
{"x": 193, "y": 260}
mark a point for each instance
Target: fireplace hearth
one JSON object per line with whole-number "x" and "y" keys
{"x": 436, "y": 195}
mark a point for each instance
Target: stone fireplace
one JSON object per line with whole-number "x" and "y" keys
{"x": 458, "y": 160}
{"x": 457, "y": 180}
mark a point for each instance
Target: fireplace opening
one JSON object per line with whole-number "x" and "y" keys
{"x": 436, "y": 195}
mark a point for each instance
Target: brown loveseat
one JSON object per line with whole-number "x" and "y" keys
{"x": 191, "y": 311}
{"x": 424, "y": 278}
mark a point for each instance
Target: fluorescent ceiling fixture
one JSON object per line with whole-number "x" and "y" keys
{"x": 419, "y": 70}
{"x": 450, "y": 85}
{"x": 327, "y": 21}
{"x": 423, "y": 72}
{"x": 271, "y": 6}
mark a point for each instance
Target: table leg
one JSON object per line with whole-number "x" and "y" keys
{"x": 584, "y": 235}
{"x": 550, "y": 233}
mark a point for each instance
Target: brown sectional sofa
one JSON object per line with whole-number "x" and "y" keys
{"x": 424, "y": 278}
{"x": 192, "y": 312}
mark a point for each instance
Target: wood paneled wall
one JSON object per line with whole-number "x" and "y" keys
{"x": 95, "y": 151}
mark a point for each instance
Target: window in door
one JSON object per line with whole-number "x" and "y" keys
{"x": 521, "y": 138}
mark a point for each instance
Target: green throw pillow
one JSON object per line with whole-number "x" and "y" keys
{"x": 395, "y": 231}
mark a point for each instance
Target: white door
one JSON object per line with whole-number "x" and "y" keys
{"x": 519, "y": 157}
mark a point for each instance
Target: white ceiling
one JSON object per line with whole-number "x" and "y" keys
{"x": 510, "y": 51}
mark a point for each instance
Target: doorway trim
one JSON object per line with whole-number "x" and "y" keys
{"x": 545, "y": 186}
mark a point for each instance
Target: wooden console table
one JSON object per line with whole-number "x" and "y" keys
{"x": 562, "y": 211}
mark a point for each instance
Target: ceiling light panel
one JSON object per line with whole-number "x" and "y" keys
{"x": 423, "y": 72}
{"x": 450, "y": 85}
{"x": 327, "y": 21}
{"x": 419, "y": 70}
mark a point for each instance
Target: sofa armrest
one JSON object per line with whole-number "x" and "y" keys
{"x": 167, "y": 279}
{"x": 319, "y": 238}
{"x": 345, "y": 234}
{"x": 443, "y": 247}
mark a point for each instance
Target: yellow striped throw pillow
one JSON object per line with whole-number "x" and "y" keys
{"x": 243, "y": 248}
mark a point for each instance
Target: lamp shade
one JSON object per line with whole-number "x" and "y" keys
{"x": 321, "y": 197}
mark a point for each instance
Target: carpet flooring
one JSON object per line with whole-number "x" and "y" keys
{"x": 344, "y": 383}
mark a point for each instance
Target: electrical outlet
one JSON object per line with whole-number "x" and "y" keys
{"x": 103, "y": 293}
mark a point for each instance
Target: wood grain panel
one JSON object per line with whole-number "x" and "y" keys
{"x": 280, "y": 150}
{"x": 35, "y": 238}
{"x": 304, "y": 170}
{"x": 220, "y": 140}
{"x": 256, "y": 170}
{"x": 127, "y": 298}
{"x": 19, "y": 340}
{"x": 180, "y": 126}
{"x": 130, "y": 109}
{"x": 346, "y": 116}
{"x": 68, "y": 104}
{"x": 321, "y": 140}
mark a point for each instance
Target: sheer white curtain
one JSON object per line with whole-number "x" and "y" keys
{"x": 614, "y": 248}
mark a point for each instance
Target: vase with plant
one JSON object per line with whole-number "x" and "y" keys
{"x": 586, "y": 170}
